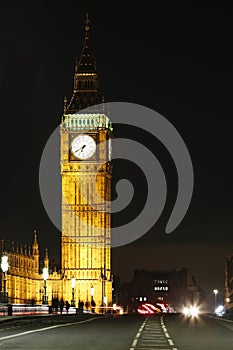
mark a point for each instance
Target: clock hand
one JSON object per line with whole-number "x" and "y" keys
{"x": 81, "y": 148}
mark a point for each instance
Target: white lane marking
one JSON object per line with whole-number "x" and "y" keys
{"x": 154, "y": 341}
{"x": 155, "y": 336}
{"x": 154, "y": 345}
{"x": 169, "y": 339}
{"x": 152, "y": 333}
{"x": 152, "y": 348}
{"x": 134, "y": 343}
{"x": 47, "y": 328}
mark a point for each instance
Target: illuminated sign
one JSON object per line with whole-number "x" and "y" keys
{"x": 161, "y": 288}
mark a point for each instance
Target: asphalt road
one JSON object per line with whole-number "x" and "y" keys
{"x": 127, "y": 332}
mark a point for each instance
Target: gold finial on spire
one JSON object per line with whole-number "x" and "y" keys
{"x": 35, "y": 236}
{"x": 102, "y": 100}
{"x": 87, "y": 23}
{"x": 65, "y": 105}
{"x": 46, "y": 253}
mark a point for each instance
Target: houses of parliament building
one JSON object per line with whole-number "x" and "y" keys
{"x": 85, "y": 163}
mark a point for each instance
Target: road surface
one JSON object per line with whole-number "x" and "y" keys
{"x": 127, "y": 332}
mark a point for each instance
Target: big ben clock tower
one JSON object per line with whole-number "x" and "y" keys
{"x": 85, "y": 137}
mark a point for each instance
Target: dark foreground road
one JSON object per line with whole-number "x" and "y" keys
{"x": 128, "y": 332}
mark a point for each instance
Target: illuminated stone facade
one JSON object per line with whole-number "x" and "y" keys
{"x": 86, "y": 218}
{"x": 86, "y": 186}
{"x": 23, "y": 279}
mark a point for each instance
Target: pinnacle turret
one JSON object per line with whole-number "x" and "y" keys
{"x": 35, "y": 246}
{"x": 46, "y": 258}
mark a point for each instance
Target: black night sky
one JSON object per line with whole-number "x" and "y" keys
{"x": 175, "y": 58}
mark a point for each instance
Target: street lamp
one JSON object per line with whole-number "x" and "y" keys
{"x": 103, "y": 279}
{"x": 73, "y": 283}
{"x": 92, "y": 292}
{"x": 215, "y": 291}
{"x": 45, "y": 277}
{"x": 105, "y": 303}
{"x": 4, "y": 267}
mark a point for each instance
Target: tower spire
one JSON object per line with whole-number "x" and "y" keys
{"x": 46, "y": 258}
{"x": 87, "y": 23}
{"x": 86, "y": 62}
{"x": 86, "y": 78}
{"x": 35, "y": 245}
{"x": 35, "y": 237}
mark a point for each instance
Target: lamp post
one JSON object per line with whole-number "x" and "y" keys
{"x": 4, "y": 267}
{"x": 103, "y": 279}
{"x": 45, "y": 277}
{"x": 105, "y": 303}
{"x": 73, "y": 283}
{"x": 215, "y": 291}
{"x": 92, "y": 292}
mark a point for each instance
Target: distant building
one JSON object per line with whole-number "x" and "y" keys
{"x": 176, "y": 287}
{"x": 229, "y": 283}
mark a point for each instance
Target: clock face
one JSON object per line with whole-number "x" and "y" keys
{"x": 83, "y": 146}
